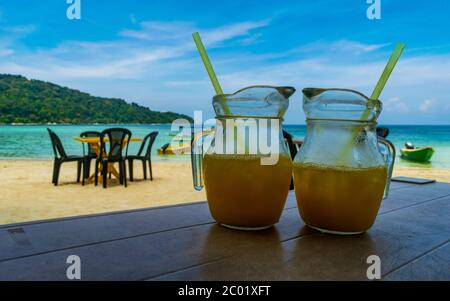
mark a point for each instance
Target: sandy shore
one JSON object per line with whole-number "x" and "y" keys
{"x": 27, "y": 193}
{"x": 438, "y": 174}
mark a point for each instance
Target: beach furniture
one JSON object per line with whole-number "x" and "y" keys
{"x": 293, "y": 150}
{"x": 61, "y": 157}
{"x": 90, "y": 153}
{"x": 112, "y": 143}
{"x": 94, "y": 143}
{"x": 382, "y": 132}
{"x": 144, "y": 155}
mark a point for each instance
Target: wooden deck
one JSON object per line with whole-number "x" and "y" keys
{"x": 411, "y": 236}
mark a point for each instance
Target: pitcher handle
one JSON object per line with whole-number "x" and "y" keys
{"x": 387, "y": 150}
{"x": 197, "y": 157}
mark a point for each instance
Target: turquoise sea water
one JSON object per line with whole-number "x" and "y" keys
{"x": 32, "y": 142}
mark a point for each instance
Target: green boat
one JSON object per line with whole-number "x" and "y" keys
{"x": 422, "y": 154}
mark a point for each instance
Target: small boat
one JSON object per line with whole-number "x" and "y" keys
{"x": 420, "y": 154}
{"x": 167, "y": 149}
{"x": 180, "y": 135}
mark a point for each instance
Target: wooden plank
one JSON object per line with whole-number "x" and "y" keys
{"x": 434, "y": 266}
{"x": 414, "y": 194}
{"x": 42, "y": 237}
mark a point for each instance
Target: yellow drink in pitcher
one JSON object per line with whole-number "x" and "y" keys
{"x": 339, "y": 199}
{"x": 243, "y": 193}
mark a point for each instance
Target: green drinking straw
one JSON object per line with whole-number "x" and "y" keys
{"x": 387, "y": 71}
{"x": 377, "y": 91}
{"x": 385, "y": 76}
{"x": 207, "y": 63}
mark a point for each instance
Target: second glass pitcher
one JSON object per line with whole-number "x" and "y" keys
{"x": 341, "y": 172}
{"x": 247, "y": 169}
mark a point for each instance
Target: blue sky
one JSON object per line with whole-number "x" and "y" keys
{"x": 142, "y": 51}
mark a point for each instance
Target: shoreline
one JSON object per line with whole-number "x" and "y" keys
{"x": 80, "y": 124}
{"x": 28, "y": 194}
{"x": 437, "y": 173}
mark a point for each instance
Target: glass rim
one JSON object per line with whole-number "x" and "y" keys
{"x": 311, "y": 91}
{"x": 227, "y": 96}
{"x": 246, "y": 117}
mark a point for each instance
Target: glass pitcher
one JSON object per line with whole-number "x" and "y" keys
{"x": 342, "y": 170}
{"x": 247, "y": 168}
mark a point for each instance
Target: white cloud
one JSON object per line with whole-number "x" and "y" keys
{"x": 395, "y": 105}
{"x": 356, "y": 47}
{"x": 6, "y": 52}
{"x": 414, "y": 79}
{"x": 425, "y": 105}
{"x": 19, "y": 30}
{"x": 10, "y": 35}
{"x": 141, "y": 51}
{"x": 340, "y": 46}
{"x": 159, "y": 31}
{"x": 180, "y": 32}
{"x": 123, "y": 67}
{"x": 253, "y": 39}
{"x": 221, "y": 34}
{"x": 329, "y": 71}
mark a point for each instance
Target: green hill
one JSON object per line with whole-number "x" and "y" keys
{"x": 35, "y": 101}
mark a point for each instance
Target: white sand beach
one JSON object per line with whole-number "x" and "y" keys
{"x": 27, "y": 193}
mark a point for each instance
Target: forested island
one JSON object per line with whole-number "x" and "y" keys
{"x": 25, "y": 101}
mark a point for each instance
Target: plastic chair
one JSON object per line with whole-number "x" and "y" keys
{"x": 61, "y": 157}
{"x": 90, "y": 154}
{"x": 144, "y": 156}
{"x": 111, "y": 151}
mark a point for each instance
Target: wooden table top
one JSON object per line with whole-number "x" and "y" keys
{"x": 411, "y": 236}
{"x": 97, "y": 139}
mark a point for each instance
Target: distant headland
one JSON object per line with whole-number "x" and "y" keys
{"x": 25, "y": 101}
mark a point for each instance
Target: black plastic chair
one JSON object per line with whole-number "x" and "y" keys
{"x": 293, "y": 149}
{"x": 382, "y": 132}
{"x": 61, "y": 157}
{"x": 90, "y": 154}
{"x": 112, "y": 152}
{"x": 144, "y": 156}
